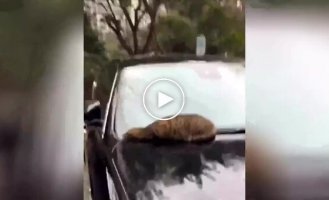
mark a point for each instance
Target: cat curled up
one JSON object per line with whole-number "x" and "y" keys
{"x": 182, "y": 128}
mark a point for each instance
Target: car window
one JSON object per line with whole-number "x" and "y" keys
{"x": 214, "y": 90}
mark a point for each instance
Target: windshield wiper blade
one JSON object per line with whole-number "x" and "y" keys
{"x": 231, "y": 131}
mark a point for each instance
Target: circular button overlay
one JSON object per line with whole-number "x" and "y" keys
{"x": 163, "y": 99}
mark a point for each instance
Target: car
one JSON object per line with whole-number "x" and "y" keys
{"x": 125, "y": 170}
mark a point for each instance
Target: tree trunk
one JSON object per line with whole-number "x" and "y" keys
{"x": 123, "y": 42}
{"x": 135, "y": 40}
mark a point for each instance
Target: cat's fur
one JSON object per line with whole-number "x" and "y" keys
{"x": 183, "y": 128}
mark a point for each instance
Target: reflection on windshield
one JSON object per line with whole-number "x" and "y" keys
{"x": 160, "y": 172}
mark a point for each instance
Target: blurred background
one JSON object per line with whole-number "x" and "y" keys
{"x": 41, "y": 98}
{"x": 287, "y": 99}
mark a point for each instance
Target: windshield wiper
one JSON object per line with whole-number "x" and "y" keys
{"x": 231, "y": 131}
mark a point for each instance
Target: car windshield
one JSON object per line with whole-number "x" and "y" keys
{"x": 215, "y": 90}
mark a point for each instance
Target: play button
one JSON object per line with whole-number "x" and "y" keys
{"x": 163, "y": 99}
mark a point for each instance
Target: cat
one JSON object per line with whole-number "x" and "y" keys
{"x": 182, "y": 128}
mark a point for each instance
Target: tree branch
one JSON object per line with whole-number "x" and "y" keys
{"x": 139, "y": 5}
{"x": 136, "y": 13}
{"x": 140, "y": 17}
{"x": 152, "y": 11}
{"x": 136, "y": 25}
{"x": 123, "y": 42}
{"x": 103, "y": 6}
{"x": 138, "y": 8}
{"x": 148, "y": 8}
{"x": 110, "y": 7}
{"x": 114, "y": 24}
{"x": 111, "y": 17}
{"x": 149, "y": 36}
{"x": 109, "y": 23}
{"x": 126, "y": 14}
{"x": 132, "y": 28}
{"x": 116, "y": 28}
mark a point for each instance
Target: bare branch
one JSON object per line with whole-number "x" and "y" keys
{"x": 139, "y": 5}
{"x": 116, "y": 28}
{"x": 152, "y": 11}
{"x": 109, "y": 23}
{"x": 149, "y": 36}
{"x": 148, "y": 8}
{"x": 111, "y": 20}
{"x": 111, "y": 9}
{"x": 136, "y": 25}
{"x": 123, "y": 42}
{"x": 140, "y": 17}
{"x": 103, "y": 6}
{"x": 115, "y": 24}
{"x": 126, "y": 14}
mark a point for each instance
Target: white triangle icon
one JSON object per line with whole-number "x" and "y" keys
{"x": 163, "y": 99}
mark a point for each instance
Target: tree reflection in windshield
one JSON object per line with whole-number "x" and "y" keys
{"x": 148, "y": 165}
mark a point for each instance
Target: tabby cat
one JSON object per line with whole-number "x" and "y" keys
{"x": 183, "y": 128}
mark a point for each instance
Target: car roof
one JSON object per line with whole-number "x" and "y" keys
{"x": 170, "y": 58}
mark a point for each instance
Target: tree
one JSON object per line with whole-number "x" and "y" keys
{"x": 91, "y": 41}
{"x": 222, "y": 23}
{"x": 124, "y": 18}
{"x": 94, "y": 50}
{"x": 140, "y": 27}
{"x": 214, "y": 30}
{"x": 188, "y": 8}
{"x": 94, "y": 60}
{"x": 176, "y": 33}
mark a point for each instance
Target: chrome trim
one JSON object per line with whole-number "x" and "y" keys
{"x": 225, "y": 137}
{"x": 109, "y": 102}
{"x": 111, "y": 187}
{"x": 114, "y": 110}
{"x": 116, "y": 170}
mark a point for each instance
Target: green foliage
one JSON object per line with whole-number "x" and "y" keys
{"x": 95, "y": 53}
{"x": 188, "y": 8}
{"x": 91, "y": 42}
{"x": 176, "y": 33}
{"x": 213, "y": 24}
{"x": 112, "y": 48}
{"x": 233, "y": 43}
{"x": 222, "y": 27}
{"x": 212, "y": 20}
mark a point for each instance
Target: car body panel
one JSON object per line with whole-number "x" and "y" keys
{"x": 187, "y": 171}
